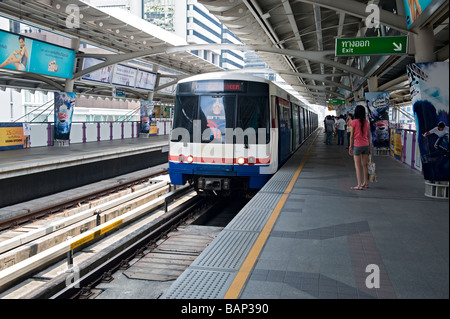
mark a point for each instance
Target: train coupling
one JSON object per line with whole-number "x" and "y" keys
{"x": 213, "y": 184}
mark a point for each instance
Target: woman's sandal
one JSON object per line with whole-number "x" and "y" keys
{"x": 360, "y": 188}
{"x": 365, "y": 185}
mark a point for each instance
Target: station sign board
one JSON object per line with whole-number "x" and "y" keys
{"x": 336, "y": 101}
{"x": 372, "y": 46}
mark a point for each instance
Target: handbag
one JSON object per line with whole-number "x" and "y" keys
{"x": 372, "y": 170}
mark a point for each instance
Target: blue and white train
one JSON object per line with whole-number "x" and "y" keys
{"x": 233, "y": 132}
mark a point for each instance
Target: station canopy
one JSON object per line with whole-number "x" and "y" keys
{"x": 113, "y": 29}
{"x": 306, "y": 32}
{"x": 296, "y": 38}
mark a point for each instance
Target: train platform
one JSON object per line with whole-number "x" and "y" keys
{"x": 26, "y": 174}
{"x": 307, "y": 235}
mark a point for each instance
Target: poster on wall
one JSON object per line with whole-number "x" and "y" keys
{"x": 146, "y": 115}
{"x": 14, "y": 136}
{"x": 413, "y": 9}
{"x": 64, "y": 105}
{"x": 103, "y": 75}
{"x": 145, "y": 80}
{"x": 429, "y": 83}
{"x": 124, "y": 76}
{"x": 21, "y": 53}
{"x": 378, "y": 111}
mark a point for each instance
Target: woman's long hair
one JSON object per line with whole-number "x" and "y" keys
{"x": 360, "y": 114}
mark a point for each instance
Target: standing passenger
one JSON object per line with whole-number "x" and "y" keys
{"x": 360, "y": 146}
{"x": 329, "y": 127}
{"x": 349, "y": 128}
{"x": 340, "y": 126}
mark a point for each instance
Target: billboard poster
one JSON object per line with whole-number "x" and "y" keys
{"x": 21, "y": 53}
{"x": 64, "y": 105}
{"x": 429, "y": 83}
{"x": 413, "y": 9}
{"x": 377, "y": 105}
{"x": 145, "y": 80}
{"x": 146, "y": 115}
{"x": 103, "y": 75}
{"x": 124, "y": 76}
{"x": 14, "y": 136}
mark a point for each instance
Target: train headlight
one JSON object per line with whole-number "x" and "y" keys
{"x": 181, "y": 158}
{"x": 251, "y": 160}
{"x": 190, "y": 159}
{"x": 241, "y": 161}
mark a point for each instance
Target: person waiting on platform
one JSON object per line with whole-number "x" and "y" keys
{"x": 340, "y": 127}
{"x": 360, "y": 146}
{"x": 329, "y": 129}
{"x": 349, "y": 128}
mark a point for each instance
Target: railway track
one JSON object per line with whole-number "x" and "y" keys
{"x": 78, "y": 197}
{"x": 30, "y": 248}
{"x": 67, "y": 254}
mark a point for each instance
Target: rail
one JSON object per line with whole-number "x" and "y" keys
{"x": 16, "y": 272}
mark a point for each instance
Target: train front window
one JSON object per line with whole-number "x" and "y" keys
{"x": 253, "y": 113}
{"x": 185, "y": 114}
{"x": 216, "y": 115}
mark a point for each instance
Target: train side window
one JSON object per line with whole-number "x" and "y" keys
{"x": 253, "y": 112}
{"x": 185, "y": 114}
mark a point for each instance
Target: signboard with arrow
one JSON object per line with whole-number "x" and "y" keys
{"x": 372, "y": 46}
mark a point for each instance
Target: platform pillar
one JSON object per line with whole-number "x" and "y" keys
{"x": 424, "y": 45}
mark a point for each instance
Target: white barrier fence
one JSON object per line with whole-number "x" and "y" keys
{"x": 42, "y": 134}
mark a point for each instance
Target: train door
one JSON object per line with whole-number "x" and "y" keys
{"x": 285, "y": 135}
{"x": 295, "y": 127}
{"x": 303, "y": 125}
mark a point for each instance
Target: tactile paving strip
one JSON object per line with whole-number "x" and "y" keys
{"x": 212, "y": 273}
{"x": 227, "y": 251}
{"x": 200, "y": 284}
{"x": 250, "y": 219}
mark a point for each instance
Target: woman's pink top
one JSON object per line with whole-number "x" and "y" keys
{"x": 361, "y": 138}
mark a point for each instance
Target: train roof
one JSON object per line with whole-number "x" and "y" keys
{"x": 225, "y": 76}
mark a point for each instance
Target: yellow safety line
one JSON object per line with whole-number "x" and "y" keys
{"x": 239, "y": 281}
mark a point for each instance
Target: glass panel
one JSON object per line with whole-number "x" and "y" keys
{"x": 185, "y": 114}
{"x": 216, "y": 114}
{"x": 253, "y": 112}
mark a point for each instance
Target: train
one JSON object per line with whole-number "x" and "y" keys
{"x": 231, "y": 132}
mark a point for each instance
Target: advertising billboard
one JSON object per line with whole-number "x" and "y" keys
{"x": 124, "y": 76}
{"x": 146, "y": 115}
{"x": 413, "y": 9}
{"x": 378, "y": 111}
{"x": 21, "y": 53}
{"x": 14, "y": 136}
{"x": 103, "y": 75}
{"x": 145, "y": 80}
{"x": 428, "y": 84}
{"x": 64, "y": 105}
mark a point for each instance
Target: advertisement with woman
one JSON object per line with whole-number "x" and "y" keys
{"x": 64, "y": 105}
{"x": 21, "y": 53}
{"x": 429, "y": 84}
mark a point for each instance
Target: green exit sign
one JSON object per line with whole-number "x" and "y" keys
{"x": 372, "y": 46}
{"x": 336, "y": 101}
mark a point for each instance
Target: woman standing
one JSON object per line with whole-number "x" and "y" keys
{"x": 360, "y": 146}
